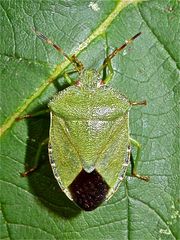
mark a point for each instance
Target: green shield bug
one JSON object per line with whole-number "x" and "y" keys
{"x": 89, "y": 143}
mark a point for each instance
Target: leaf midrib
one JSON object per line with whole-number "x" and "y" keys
{"x": 60, "y": 67}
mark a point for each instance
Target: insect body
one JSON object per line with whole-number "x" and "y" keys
{"x": 89, "y": 143}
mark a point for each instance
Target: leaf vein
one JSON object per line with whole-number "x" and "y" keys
{"x": 60, "y": 67}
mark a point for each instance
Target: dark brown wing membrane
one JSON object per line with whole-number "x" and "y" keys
{"x": 88, "y": 190}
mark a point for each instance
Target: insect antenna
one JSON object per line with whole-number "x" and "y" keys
{"x": 117, "y": 50}
{"x": 73, "y": 59}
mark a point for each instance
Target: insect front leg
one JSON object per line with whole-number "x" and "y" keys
{"x": 36, "y": 160}
{"x": 69, "y": 79}
{"x": 107, "y": 76}
{"x": 39, "y": 113}
{"x": 134, "y": 163}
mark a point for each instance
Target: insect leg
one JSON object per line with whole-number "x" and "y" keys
{"x": 44, "y": 142}
{"x": 144, "y": 102}
{"x": 134, "y": 163}
{"x": 107, "y": 77}
{"x": 42, "y": 112}
{"x": 70, "y": 80}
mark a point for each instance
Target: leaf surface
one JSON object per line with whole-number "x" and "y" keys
{"x": 34, "y": 207}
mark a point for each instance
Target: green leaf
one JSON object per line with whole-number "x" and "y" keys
{"x": 34, "y": 207}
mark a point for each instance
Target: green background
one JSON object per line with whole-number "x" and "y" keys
{"x": 34, "y": 207}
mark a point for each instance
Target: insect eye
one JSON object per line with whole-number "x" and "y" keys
{"x": 78, "y": 83}
{"x": 100, "y": 84}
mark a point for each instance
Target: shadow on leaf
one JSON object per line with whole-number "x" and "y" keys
{"x": 42, "y": 180}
